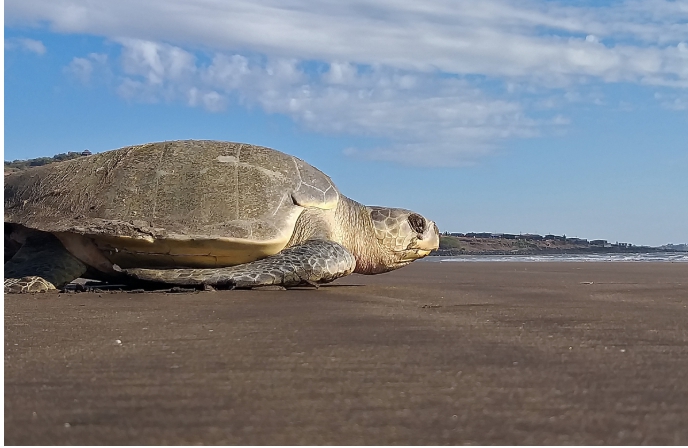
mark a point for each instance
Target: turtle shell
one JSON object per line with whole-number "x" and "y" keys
{"x": 179, "y": 203}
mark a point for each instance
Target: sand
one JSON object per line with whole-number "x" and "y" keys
{"x": 435, "y": 353}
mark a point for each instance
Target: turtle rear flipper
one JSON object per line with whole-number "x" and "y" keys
{"x": 41, "y": 264}
{"x": 312, "y": 262}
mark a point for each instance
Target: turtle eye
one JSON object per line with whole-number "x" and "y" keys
{"x": 416, "y": 222}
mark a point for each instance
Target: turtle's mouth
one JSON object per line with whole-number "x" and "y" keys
{"x": 423, "y": 245}
{"x": 412, "y": 254}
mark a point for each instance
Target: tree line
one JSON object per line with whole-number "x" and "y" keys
{"x": 24, "y": 164}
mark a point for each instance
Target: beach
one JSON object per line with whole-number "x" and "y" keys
{"x": 434, "y": 353}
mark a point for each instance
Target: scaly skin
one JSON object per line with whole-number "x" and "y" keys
{"x": 382, "y": 239}
{"x": 28, "y": 285}
{"x": 312, "y": 262}
{"x": 42, "y": 264}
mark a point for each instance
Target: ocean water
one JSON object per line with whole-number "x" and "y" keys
{"x": 671, "y": 257}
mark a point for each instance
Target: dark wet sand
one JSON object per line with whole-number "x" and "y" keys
{"x": 436, "y": 353}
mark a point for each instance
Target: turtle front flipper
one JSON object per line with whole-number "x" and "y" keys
{"x": 42, "y": 264}
{"x": 312, "y": 262}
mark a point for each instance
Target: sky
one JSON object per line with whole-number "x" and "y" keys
{"x": 527, "y": 116}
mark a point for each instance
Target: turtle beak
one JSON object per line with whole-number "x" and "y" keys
{"x": 428, "y": 241}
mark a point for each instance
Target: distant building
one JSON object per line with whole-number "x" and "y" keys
{"x": 86, "y": 152}
{"x": 529, "y": 236}
{"x": 555, "y": 237}
{"x": 600, "y": 243}
{"x": 479, "y": 235}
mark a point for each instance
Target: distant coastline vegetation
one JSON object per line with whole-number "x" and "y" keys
{"x": 455, "y": 243}
{"x": 20, "y": 165}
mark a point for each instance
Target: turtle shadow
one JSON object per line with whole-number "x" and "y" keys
{"x": 89, "y": 285}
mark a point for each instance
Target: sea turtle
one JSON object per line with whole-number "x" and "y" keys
{"x": 227, "y": 215}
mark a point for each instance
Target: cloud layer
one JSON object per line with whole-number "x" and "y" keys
{"x": 633, "y": 39}
{"x": 428, "y": 120}
{"x": 413, "y": 73}
{"x": 31, "y": 45}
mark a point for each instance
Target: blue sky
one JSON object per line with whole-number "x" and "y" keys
{"x": 504, "y": 116}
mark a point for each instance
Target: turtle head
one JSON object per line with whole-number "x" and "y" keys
{"x": 402, "y": 236}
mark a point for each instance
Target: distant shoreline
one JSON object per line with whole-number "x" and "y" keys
{"x": 451, "y": 245}
{"x": 581, "y": 251}
{"x": 648, "y": 257}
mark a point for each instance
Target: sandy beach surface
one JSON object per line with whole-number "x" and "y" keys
{"x": 435, "y": 353}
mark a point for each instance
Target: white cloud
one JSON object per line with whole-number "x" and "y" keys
{"x": 211, "y": 101}
{"x": 32, "y": 45}
{"x": 404, "y": 71}
{"x": 83, "y": 69}
{"x": 491, "y": 37}
{"x": 672, "y": 101}
{"x": 156, "y": 62}
{"x": 414, "y": 111}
